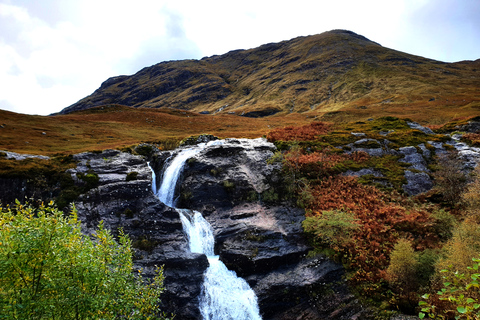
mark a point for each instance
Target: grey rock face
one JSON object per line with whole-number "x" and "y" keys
{"x": 235, "y": 188}
{"x": 417, "y": 126}
{"x": 371, "y": 146}
{"x": 417, "y": 182}
{"x": 470, "y": 156}
{"x": 472, "y": 126}
{"x": 411, "y": 156}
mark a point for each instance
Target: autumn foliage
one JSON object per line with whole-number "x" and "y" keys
{"x": 392, "y": 246}
{"x": 382, "y": 220}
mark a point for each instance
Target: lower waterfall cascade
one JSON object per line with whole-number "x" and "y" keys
{"x": 224, "y": 296}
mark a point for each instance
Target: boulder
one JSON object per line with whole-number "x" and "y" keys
{"x": 417, "y": 182}
{"x": 411, "y": 156}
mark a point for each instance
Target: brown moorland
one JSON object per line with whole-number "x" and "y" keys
{"x": 115, "y": 126}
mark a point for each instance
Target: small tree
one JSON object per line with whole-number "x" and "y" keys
{"x": 50, "y": 270}
{"x": 449, "y": 180}
{"x": 402, "y": 274}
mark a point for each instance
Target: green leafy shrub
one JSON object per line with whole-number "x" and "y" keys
{"x": 50, "y": 270}
{"x": 332, "y": 228}
{"x": 460, "y": 293}
{"x": 228, "y": 185}
{"x": 144, "y": 149}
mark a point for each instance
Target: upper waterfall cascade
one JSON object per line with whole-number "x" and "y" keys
{"x": 224, "y": 296}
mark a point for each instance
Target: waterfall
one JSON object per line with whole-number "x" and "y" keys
{"x": 224, "y": 296}
{"x": 154, "y": 179}
{"x": 166, "y": 192}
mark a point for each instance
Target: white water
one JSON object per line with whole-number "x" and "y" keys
{"x": 224, "y": 296}
{"x": 166, "y": 193}
{"x": 154, "y": 179}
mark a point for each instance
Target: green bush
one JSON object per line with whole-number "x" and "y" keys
{"x": 332, "y": 228}
{"x": 459, "y": 292}
{"x": 50, "y": 270}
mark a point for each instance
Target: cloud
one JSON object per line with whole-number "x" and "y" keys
{"x": 48, "y": 63}
{"x": 445, "y": 30}
{"x": 171, "y": 43}
{"x": 40, "y": 65}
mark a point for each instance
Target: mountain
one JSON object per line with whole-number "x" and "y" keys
{"x": 321, "y": 74}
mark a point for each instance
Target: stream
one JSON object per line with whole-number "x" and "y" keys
{"x": 224, "y": 296}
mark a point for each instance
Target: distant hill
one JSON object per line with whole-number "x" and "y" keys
{"x": 323, "y": 74}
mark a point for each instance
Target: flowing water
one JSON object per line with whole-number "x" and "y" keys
{"x": 224, "y": 296}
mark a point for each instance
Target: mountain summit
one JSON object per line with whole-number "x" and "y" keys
{"x": 323, "y": 73}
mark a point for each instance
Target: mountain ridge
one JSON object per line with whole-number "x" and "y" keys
{"x": 318, "y": 74}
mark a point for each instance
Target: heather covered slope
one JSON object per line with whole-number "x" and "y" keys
{"x": 335, "y": 74}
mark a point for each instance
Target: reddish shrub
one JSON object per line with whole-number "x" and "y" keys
{"x": 305, "y": 133}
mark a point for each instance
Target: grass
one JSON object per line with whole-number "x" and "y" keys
{"x": 116, "y": 127}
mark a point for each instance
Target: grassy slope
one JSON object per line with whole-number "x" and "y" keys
{"x": 116, "y": 127}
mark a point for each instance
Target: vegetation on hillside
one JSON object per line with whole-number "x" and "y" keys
{"x": 50, "y": 270}
{"x": 395, "y": 248}
{"x": 336, "y": 75}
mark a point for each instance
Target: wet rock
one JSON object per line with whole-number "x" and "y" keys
{"x": 227, "y": 174}
{"x": 261, "y": 241}
{"x": 470, "y": 156}
{"x": 294, "y": 285}
{"x": 232, "y": 184}
{"x": 473, "y": 126}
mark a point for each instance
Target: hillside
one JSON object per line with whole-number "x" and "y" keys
{"x": 113, "y": 126}
{"x": 336, "y": 75}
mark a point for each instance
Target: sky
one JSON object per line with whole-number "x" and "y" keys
{"x": 55, "y": 52}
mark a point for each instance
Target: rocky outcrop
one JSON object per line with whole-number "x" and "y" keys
{"x": 20, "y": 156}
{"x": 416, "y": 158}
{"x": 235, "y": 188}
{"x": 258, "y": 233}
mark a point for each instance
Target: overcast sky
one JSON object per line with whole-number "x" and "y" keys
{"x": 55, "y": 52}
